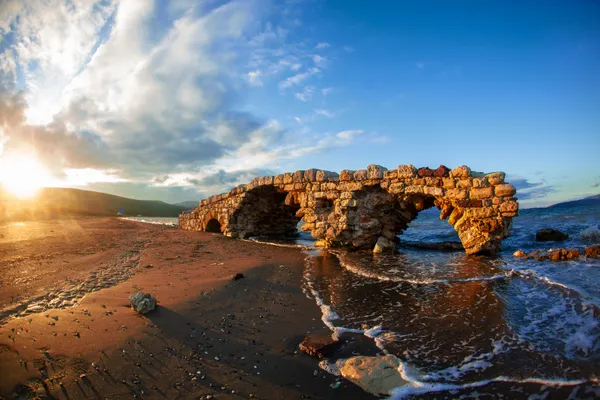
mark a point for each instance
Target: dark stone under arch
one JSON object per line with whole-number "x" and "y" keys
{"x": 213, "y": 226}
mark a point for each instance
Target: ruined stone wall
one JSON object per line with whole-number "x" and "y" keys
{"x": 364, "y": 208}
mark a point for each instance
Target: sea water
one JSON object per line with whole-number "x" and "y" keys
{"x": 171, "y": 221}
{"x": 473, "y": 326}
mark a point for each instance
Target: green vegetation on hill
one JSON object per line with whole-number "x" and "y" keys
{"x": 59, "y": 202}
{"x": 188, "y": 205}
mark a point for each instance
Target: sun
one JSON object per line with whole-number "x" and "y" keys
{"x": 22, "y": 175}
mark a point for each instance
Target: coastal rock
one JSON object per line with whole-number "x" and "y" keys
{"x": 376, "y": 375}
{"x": 554, "y": 254}
{"x": 550, "y": 235}
{"x": 593, "y": 251}
{"x": 384, "y": 245}
{"x": 142, "y": 302}
{"x": 319, "y": 344}
{"x": 519, "y": 254}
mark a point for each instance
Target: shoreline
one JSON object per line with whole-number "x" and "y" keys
{"x": 209, "y": 336}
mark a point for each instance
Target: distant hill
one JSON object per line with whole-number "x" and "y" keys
{"x": 587, "y": 201}
{"x": 188, "y": 205}
{"x": 57, "y": 202}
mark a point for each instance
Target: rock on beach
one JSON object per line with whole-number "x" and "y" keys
{"x": 377, "y": 375}
{"x": 142, "y": 302}
{"x": 550, "y": 235}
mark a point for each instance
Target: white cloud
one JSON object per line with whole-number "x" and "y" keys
{"x": 319, "y": 60}
{"x": 299, "y": 78}
{"x": 254, "y": 78}
{"x": 322, "y": 45}
{"x": 348, "y": 49}
{"x": 120, "y": 99}
{"x": 326, "y": 91}
{"x": 53, "y": 39}
{"x": 324, "y": 113}
{"x": 349, "y": 134}
{"x": 306, "y": 94}
{"x": 86, "y": 176}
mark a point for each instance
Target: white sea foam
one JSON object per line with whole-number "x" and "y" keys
{"x": 154, "y": 220}
{"x": 416, "y": 385}
{"x": 419, "y": 388}
{"x": 590, "y": 235}
{"x": 288, "y": 245}
{"x": 367, "y": 274}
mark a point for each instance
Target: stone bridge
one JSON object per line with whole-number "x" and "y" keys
{"x": 363, "y": 209}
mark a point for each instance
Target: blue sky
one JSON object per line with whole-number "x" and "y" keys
{"x": 179, "y": 100}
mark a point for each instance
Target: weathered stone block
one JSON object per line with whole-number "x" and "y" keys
{"x": 288, "y": 178}
{"x": 390, "y": 174}
{"x": 461, "y": 172}
{"x": 481, "y": 193}
{"x": 441, "y": 171}
{"x": 298, "y": 176}
{"x": 425, "y": 171}
{"x": 396, "y": 188}
{"x": 509, "y": 206}
{"x": 349, "y": 186}
{"x": 418, "y": 181}
{"x": 360, "y": 175}
{"x": 375, "y": 171}
{"x": 496, "y": 178}
{"x": 480, "y": 182}
{"x": 433, "y": 181}
{"x": 278, "y": 180}
{"x": 348, "y": 203}
{"x": 479, "y": 212}
{"x": 310, "y": 175}
{"x": 323, "y": 176}
{"x": 505, "y": 190}
{"x": 414, "y": 189}
{"x": 448, "y": 183}
{"x": 333, "y": 195}
{"x": 346, "y": 175}
{"x": 487, "y": 224}
{"x": 469, "y": 203}
{"x": 433, "y": 191}
{"x": 464, "y": 183}
{"x": 456, "y": 194}
{"x": 407, "y": 171}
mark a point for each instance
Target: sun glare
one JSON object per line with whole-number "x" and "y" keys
{"x": 22, "y": 175}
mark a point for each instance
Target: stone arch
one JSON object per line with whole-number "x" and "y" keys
{"x": 364, "y": 208}
{"x": 213, "y": 225}
{"x": 266, "y": 211}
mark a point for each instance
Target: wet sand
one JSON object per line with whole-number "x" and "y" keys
{"x": 67, "y": 330}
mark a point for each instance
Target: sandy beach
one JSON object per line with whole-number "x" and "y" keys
{"x": 67, "y": 330}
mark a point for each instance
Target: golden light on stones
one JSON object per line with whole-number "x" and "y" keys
{"x": 364, "y": 209}
{"x": 22, "y": 175}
